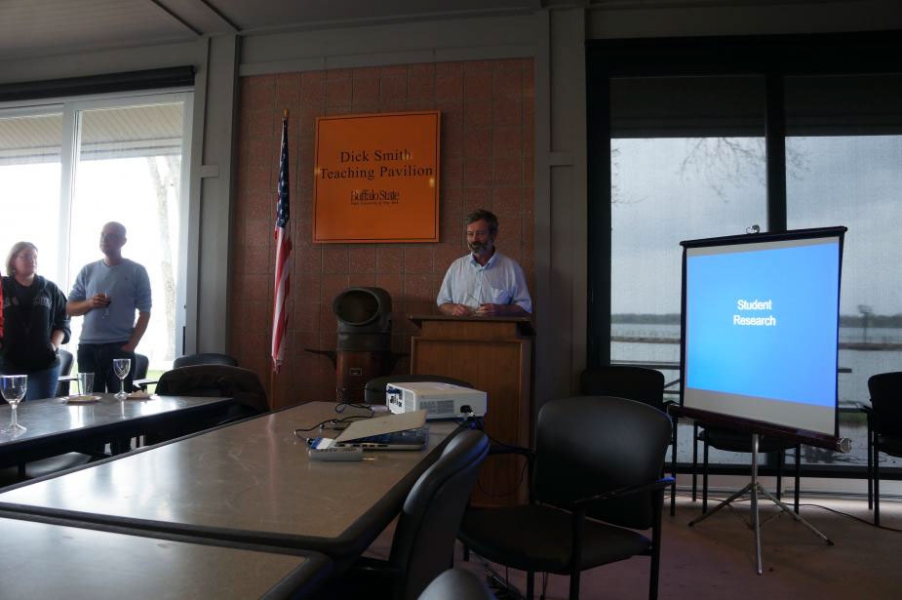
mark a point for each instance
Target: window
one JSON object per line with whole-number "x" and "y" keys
{"x": 30, "y": 172}
{"x": 68, "y": 168}
{"x": 687, "y": 140}
{"x": 688, "y": 168}
{"x": 846, "y": 135}
{"x": 687, "y": 172}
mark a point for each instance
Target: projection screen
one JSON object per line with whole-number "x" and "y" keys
{"x": 760, "y": 328}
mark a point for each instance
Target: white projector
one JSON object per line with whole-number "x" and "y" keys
{"x": 439, "y": 400}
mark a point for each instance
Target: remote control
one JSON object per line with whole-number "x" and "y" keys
{"x": 336, "y": 453}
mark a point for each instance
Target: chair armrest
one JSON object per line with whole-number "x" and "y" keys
{"x": 364, "y": 578}
{"x": 660, "y": 484}
{"x": 500, "y": 449}
{"x": 367, "y": 564}
{"x": 143, "y": 383}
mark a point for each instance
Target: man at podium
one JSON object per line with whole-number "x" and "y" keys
{"x": 484, "y": 283}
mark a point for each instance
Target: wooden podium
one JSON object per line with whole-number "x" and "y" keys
{"x": 493, "y": 354}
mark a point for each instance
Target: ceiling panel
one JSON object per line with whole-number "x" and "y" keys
{"x": 30, "y": 28}
{"x": 48, "y": 27}
{"x": 272, "y": 14}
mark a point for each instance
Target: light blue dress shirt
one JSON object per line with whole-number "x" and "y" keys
{"x": 500, "y": 281}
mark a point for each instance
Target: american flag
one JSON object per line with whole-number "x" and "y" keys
{"x": 1, "y": 310}
{"x": 283, "y": 251}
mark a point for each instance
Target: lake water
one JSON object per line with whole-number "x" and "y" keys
{"x": 852, "y": 386}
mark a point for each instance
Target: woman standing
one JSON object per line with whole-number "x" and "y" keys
{"x": 35, "y": 323}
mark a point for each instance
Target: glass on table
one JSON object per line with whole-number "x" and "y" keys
{"x": 85, "y": 383}
{"x": 121, "y": 366}
{"x": 13, "y": 388}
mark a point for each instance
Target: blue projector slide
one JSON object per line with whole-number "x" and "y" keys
{"x": 761, "y": 320}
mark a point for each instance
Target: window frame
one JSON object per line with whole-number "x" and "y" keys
{"x": 69, "y": 107}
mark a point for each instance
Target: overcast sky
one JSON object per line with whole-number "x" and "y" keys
{"x": 851, "y": 181}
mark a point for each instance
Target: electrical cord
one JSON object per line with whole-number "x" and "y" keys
{"x": 853, "y": 517}
{"x": 812, "y": 505}
{"x": 477, "y": 423}
{"x": 342, "y": 406}
{"x": 480, "y": 425}
{"x": 337, "y": 424}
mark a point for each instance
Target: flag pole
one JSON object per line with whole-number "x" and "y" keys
{"x": 281, "y": 287}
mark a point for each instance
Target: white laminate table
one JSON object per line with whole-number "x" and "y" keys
{"x": 250, "y": 482}
{"x": 45, "y": 560}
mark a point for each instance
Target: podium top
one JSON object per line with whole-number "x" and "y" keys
{"x": 523, "y": 324}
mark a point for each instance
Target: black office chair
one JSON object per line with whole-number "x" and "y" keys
{"x": 884, "y": 428}
{"x": 732, "y": 440}
{"x": 457, "y": 584}
{"x": 374, "y": 390}
{"x": 47, "y": 466}
{"x": 423, "y": 544}
{"x": 212, "y": 381}
{"x": 216, "y": 380}
{"x": 139, "y": 378}
{"x": 633, "y": 383}
{"x": 66, "y": 359}
{"x": 595, "y": 479}
{"x": 204, "y": 358}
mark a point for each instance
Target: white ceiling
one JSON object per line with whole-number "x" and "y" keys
{"x": 30, "y": 28}
{"x": 45, "y": 28}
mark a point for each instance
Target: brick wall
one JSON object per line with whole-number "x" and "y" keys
{"x": 486, "y": 161}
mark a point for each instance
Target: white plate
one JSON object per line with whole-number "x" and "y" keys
{"x": 82, "y": 399}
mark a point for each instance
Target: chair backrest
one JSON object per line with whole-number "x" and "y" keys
{"x": 457, "y": 584}
{"x": 587, "y": 445}
{"x": 142, "y": 363}
{"x": 633, "y": 383}
{"x": 204, "y": 358}
{"x": 62, "y": 388}
{"x": 374, "y": 390}
{"x": 886, "y": 402}
{"x": 215, "y": 380}
{"x": 423, "y": 545}
{"x": 65, "y": 362}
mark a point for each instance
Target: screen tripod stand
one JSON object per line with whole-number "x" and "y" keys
{"x": 755, "y": 489}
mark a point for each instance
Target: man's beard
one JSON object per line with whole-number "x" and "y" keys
{"x": 476, "y": 247}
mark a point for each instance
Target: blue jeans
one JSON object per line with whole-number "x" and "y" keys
{"x": 42, "y": 384}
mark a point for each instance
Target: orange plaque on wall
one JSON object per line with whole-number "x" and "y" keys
{"x": 376, "y": 178}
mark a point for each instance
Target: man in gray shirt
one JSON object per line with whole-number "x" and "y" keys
{"x": 107, "y": 293}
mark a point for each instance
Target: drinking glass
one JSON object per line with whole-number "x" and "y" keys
{"x": 13, "y": 388}
{"x": 121, "y": 366}
{"x": 85, "y": 383}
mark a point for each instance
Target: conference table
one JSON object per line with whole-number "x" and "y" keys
{"x": 56, "y": 426}
{"x": 249, "y": 483}
{"x": 47, "y": 560}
